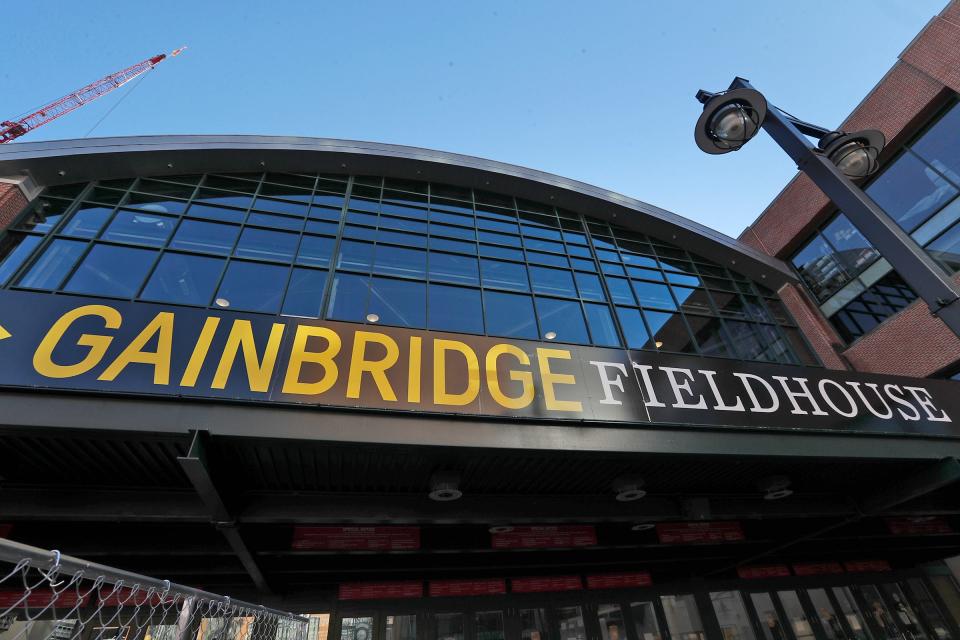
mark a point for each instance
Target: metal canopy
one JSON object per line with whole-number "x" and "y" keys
{"x": 219, "y": 510}
{"x": 66, "y": 161}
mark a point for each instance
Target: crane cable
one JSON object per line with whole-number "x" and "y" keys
{"x": 133, "y": 86}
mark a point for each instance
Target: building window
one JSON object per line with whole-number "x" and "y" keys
{"x": 920, "y": 190}
{"x": 392, "y": 252}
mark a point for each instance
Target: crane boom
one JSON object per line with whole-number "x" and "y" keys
{"x": 13, "y": 129}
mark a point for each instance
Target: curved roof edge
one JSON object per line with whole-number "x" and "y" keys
{"x": 64, "y": 161}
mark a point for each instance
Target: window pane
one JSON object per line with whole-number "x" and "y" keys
{"x": 504, "y": 275}
{"x": 853, "y": 251}
{"x": 215, "y": 213}
{"x": 447, "y": 626}
{"x": 710, "y": 336}
{"x": 731, "y": 615}
{"x": 820, "y": 269}
{"x": 266, "y": 245}
{"x": 357, "y": 629}
{"x": 634, "y": 330}
{"x": 938, "y": 146}
{"x": 533, "y": 625}
{"x": 489, "y": 625}
{"x": 910, "y": 191}
{"x": 620, "y": 291}
{"x": 697, "y": 300}
{"x": 399, "y": 628}
{"x": 398, "y": 302}
{"x": 669, "y": 332}
{"x": 184, "y": 279}
{"x": 275, "y": 222}
{"x": 454, "y": 309}
{"x": 571, "y": 623}
{"x": 45, "y": 214}
{"x": 315, "y": 251}
{"x": 206, "y": 237}
{"x": 829, "y": 621}
{"x": 305, "y": 293}
{"x": 86, "y": 221}
{"x": 683, "y": 618}
{"x": 851, "y": 612}
{"x": 249, "y": 286}
{"x": 398, "y": 261}
{"x": 445, "y": 267}
{"x": 770, "y": 625}
{"x": 140, "y": 228}
{"x": 562, "y": 317}
{"x": 557, "y": 282}
{"x": 17, "y": 249}
{"x": 53, "y": 266}
{"x": 589, "y": 286}
{"x": 357, "y": 256}
{"x": 946, "y": 249}
{"x": 603, "y": 332}
{"x": 645, "y": 621}
{"x": 509, "y": 315}
{"x": 281, "y": 206}
{"x": 610, "y": 619}
{"x": 155, "y": 204}
{"x": 348, "y": 297}
{"x": 651, "y": 294}
{"x": 112, "y": 271}
{"x": 802, "y": 629}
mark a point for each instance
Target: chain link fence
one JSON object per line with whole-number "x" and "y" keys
{"x": 45, "y": 595}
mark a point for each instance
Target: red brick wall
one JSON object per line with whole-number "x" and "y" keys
{"x": 912, "y": 342}
{"x": 814, "y": 326}
{"x": 12, "y": 202}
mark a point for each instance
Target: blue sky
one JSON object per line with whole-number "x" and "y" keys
{"x": 597, "y": 91}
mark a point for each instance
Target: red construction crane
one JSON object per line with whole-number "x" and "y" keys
{"x": 13, "y": 129}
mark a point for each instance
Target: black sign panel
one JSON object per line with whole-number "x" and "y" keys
{"x": 71, "y": 343}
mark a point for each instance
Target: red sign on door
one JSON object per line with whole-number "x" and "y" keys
{"x": 356, "y": 538}
{"x": 378, "y": 590}
{"x": 817, "y": 568}
{"x": 699, "y": 532}
{"x": 467, "y": 587}
{"x": 619, "y": 580}
{"x": 545, "y": 537}
{"x": 546, "y": 584}
{"x": 764, "y": 571}
{"x": 866, "y": 566}
{"x": 926, "y": 525}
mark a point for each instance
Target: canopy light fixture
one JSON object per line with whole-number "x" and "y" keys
{"x": 628, "y": 488}
{"x": 222, "y": 302}
{"x": 855, "y": 154}
{"x": 550, "y": 335}
{"x": 500, "y": 528}
{"x": 729, "y": 120}
{"x": 775, "y": 487}
{"x": 372, "y": 317}
{"x": 444, "y": 487}
{"x": 733, "y": 117}
{"x": 642, "y": 526}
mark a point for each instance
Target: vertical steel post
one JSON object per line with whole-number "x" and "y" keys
{"x": 914, "y": 265}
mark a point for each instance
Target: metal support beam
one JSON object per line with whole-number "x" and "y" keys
{"x": 196, "y": 468}
{"x": 931, "y": 478}
{"x": 914, "y": 265}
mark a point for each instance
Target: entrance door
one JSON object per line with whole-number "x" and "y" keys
{"x": 682, "y": 616}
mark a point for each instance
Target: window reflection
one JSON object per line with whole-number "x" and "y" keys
{"x": 412, "y": 253}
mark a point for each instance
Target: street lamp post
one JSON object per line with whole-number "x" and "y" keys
{"x": 731, "y": 118}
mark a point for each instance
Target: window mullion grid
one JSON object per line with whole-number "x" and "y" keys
{"x": 47, "y": 238}
{"x": 611, "y": 305}
{"x": 296, "y": 251}
{"x": 335, "y": 251}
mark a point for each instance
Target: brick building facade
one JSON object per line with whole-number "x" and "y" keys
{"x": 925, "y": 78}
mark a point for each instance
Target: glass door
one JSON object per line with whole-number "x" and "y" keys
{"x": 904, "y": 614}
{"x": 358, "y": 627}
{"x": 570, "y": 622}
{"x": 796, "y": 615}
{"x": 832, "y": 622}
{"x": 610, "y": 620}
{"x": 682, "y": 616}
{"x": 732, "y": 615}
{"x": 645, "y": 624}
{"x": 446, "y": 626}
{"x": 928, "y": 610}
{"x": 534, "y": 625}
{"x": 768, "y": 617}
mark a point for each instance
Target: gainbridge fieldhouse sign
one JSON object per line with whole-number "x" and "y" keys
{"x": 78, "y": 344}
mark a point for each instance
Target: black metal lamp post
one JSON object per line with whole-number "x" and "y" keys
{"x": 731, "y": 118}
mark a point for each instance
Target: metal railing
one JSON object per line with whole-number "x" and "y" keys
{"x": 45, "y": 595}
